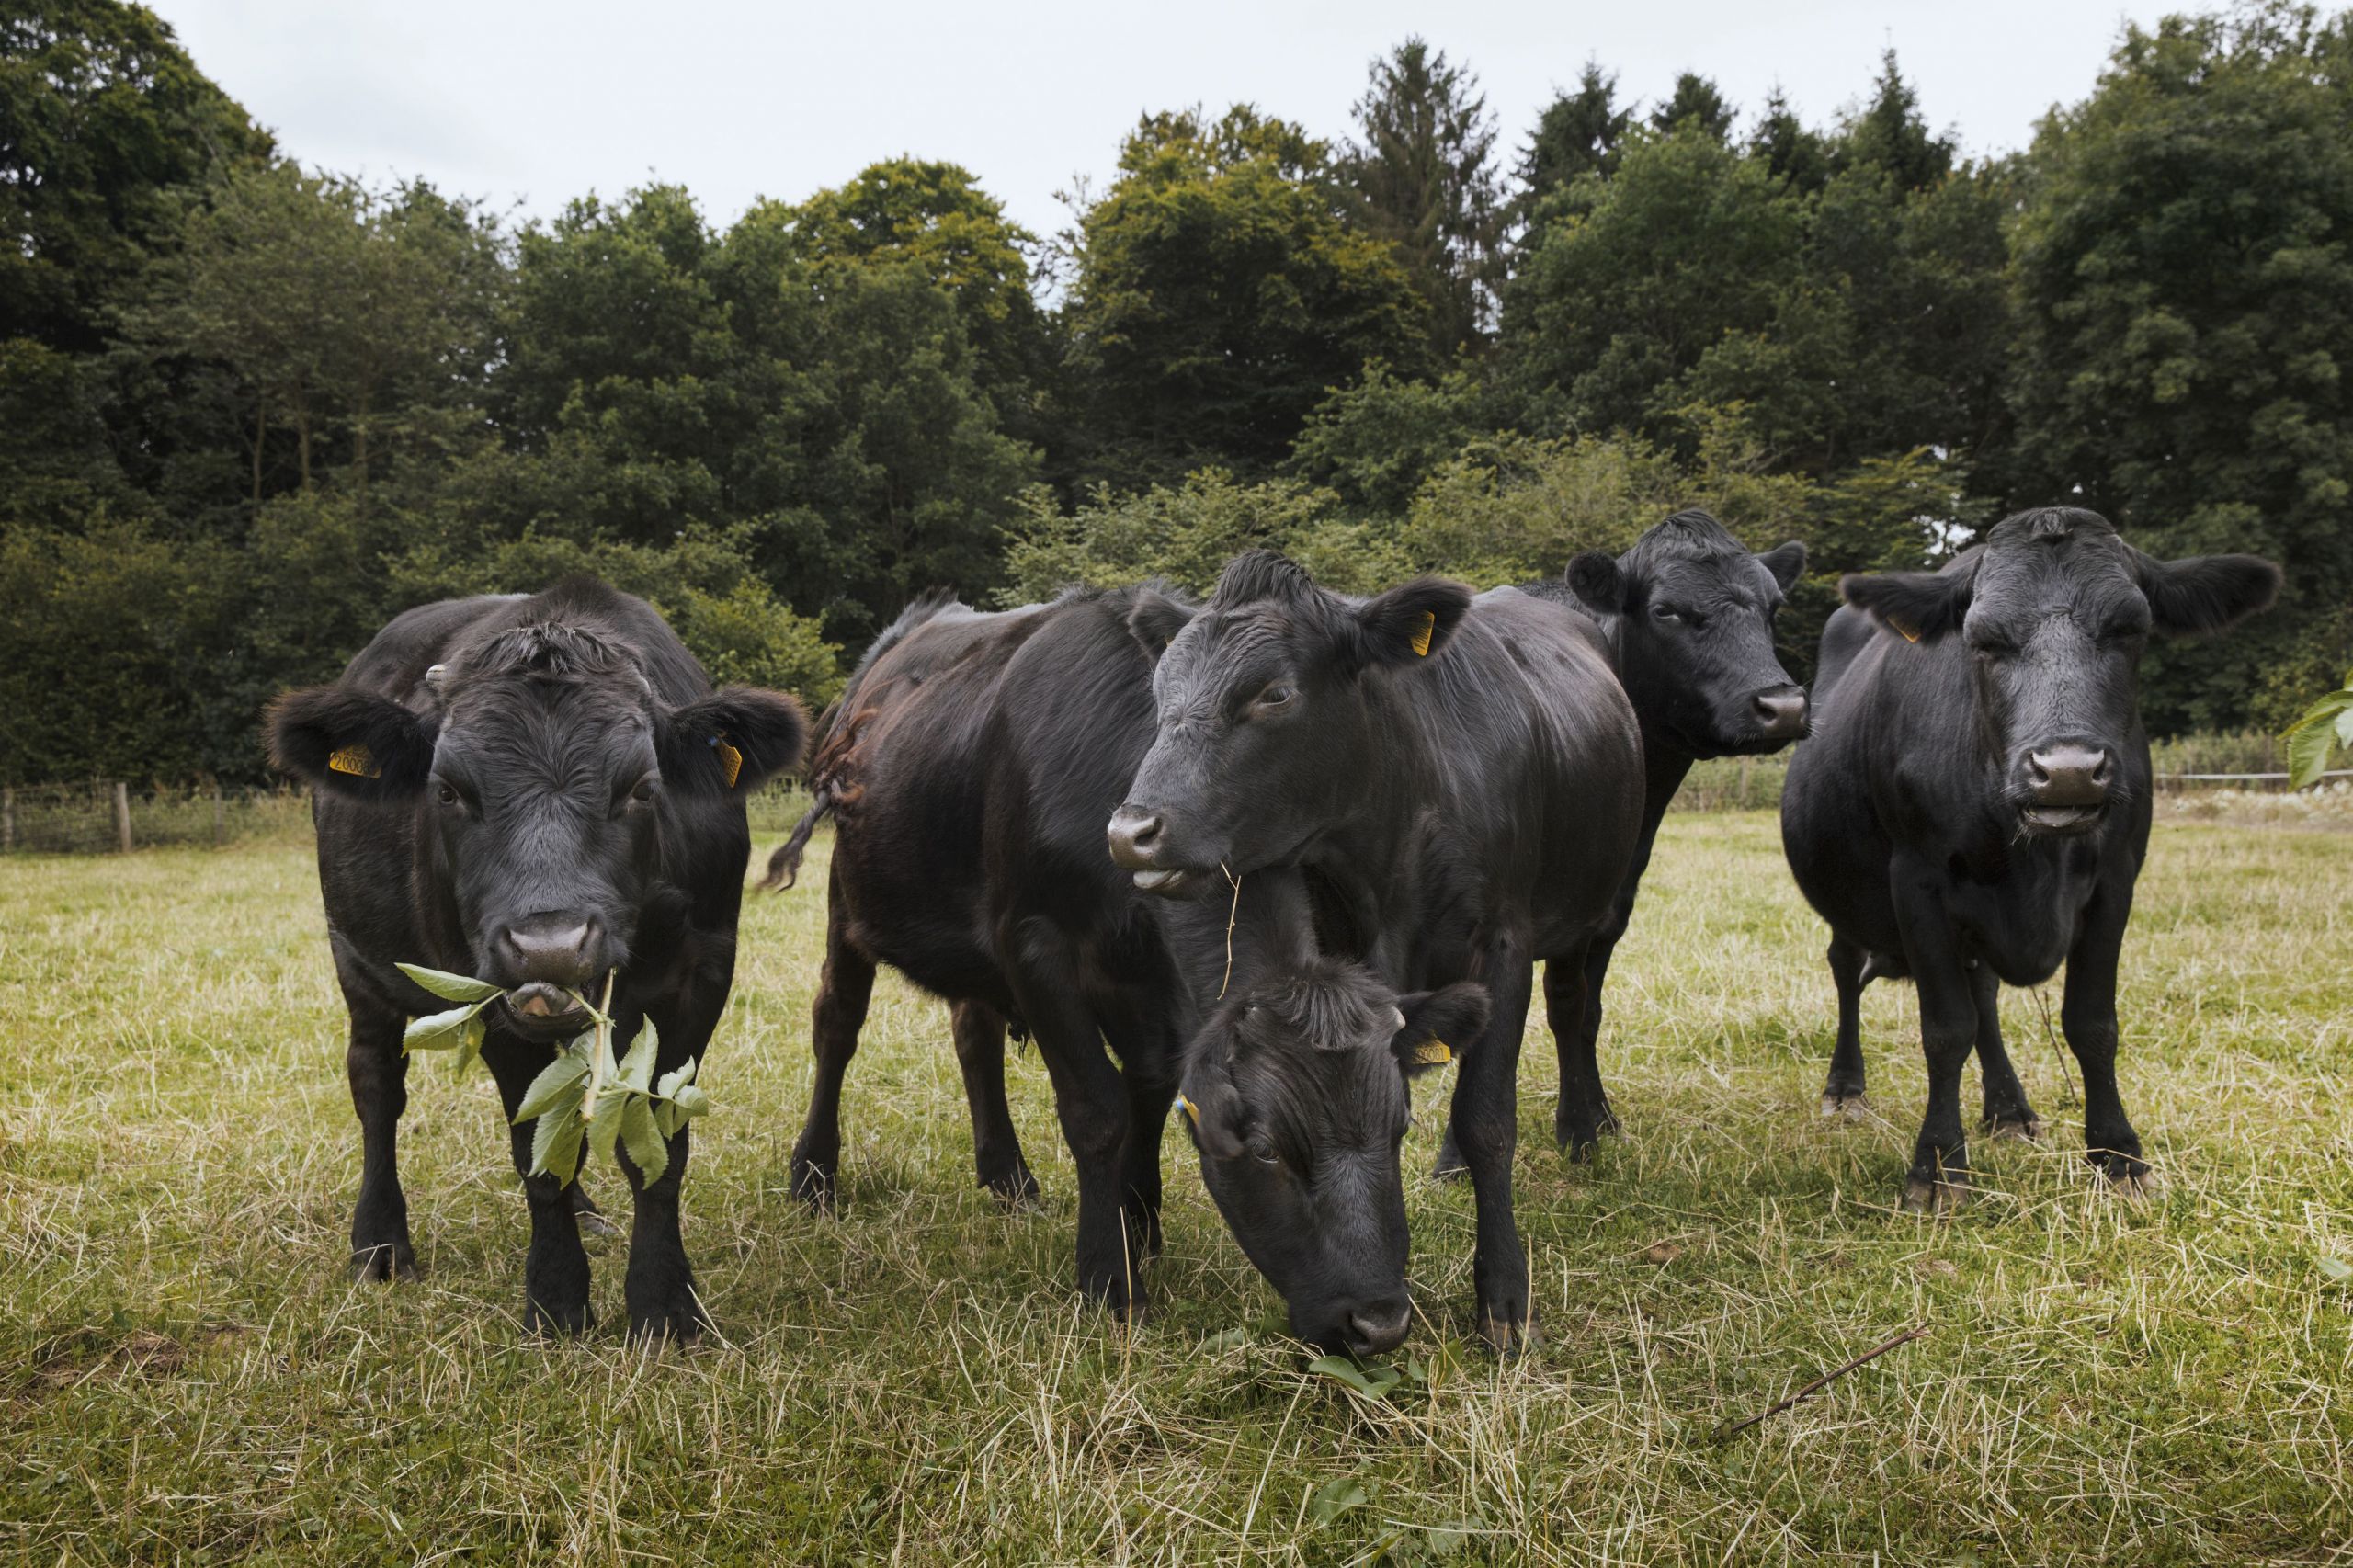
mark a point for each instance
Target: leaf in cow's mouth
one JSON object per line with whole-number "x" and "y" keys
{"x": 582, "y": 1096}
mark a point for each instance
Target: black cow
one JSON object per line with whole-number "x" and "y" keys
{"x": 971, "y": 768}
{"x": 969, "y": 772}
{"x": 537, "y": 791}
{"x": 1973, "y": 807}
{"x": 1687, "y": 616}
{"x": 1463, "y": 779}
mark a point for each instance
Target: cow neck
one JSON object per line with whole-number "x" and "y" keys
{"x": 1368, "y": 860}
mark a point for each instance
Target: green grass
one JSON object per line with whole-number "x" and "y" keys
{"x": 185, "y": 1376}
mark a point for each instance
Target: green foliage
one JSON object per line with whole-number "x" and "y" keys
{"x": 1577, "y": 134}
{"x": 1696, "y": 103}
{"x": 1221, "y": 290}
{"x": 1376, "y": 441}
{"x": 2184, "y": 268}
{"x": 2326, "y": 724}
{"x": 1422, "y": 175}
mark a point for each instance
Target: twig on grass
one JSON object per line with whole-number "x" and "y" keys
{"x": 1230, "y": 913}
{"x": 1819, "y": 1383}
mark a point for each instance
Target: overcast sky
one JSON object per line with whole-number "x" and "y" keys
{"x": 536, "y": 103}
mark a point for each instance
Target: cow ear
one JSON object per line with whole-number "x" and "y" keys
{"x": 1409, "y": 623}
{"x": 1785, "y": 562}
{"x": 350, "y": 742}
{"x": 1212, "y": 1110}
{"x": 1437, "y": 1026}
{"x": 1598, "y": 582}
{"x": 1920, "y": 606}
{"x": 734, "y": 739}
{"x": 2206, "y": 592}
{"x": 1156, "y": 620}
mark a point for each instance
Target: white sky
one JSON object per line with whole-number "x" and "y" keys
{"x": 536, "y": 103}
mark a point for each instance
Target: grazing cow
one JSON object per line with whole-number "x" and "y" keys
{"x": 1461, "y": 777}
{"x": 1973, "y": 807}
{"x": 1686, "y": 615}
{"x": 971, "y": 768}
{"x": 539, "y": 792}
{"x": 1304, "y": 1070}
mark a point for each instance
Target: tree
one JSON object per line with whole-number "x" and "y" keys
{"x": 1423, "y": 181}
{"x": 1220, "y": 291}
{"x": 1889, "y": 133}
{"x": 1375, "y": 442}
{"x": 338, "y": 311}
{"x": 2184, "y": 359}
{"x": 1630, "y": 283}
{"x": 934, "y": 217}
{"x": 1696, "y": 102}
{"x": 107, "y": 121}
{"x": 1579, "y": 133}
{"x": 1798, "y": 155}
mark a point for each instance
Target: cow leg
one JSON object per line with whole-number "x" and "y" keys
{"x": 592, "y": 1219}
{"x": 378, "y": 1068}
{"x": 1091, "y": 1104}
{"x": 2087, "y": 1017}
{"x": 843, "y": 989}
{"x": 2008, "y": 1115}
{"x": 660, "y": 1286}
{"x": 1843, "y": 1094}
{"x": 1486, "y": 1126}
{"x": 1147, "y": 1071}
{"x": 555, "y": 1270}
{"x": 979, "y": 1031}
{"x": 1573, "y": 1007}
{"x": 1938, "y": 1178}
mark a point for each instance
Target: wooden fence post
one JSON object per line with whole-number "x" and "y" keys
{"x": 219, "y": 824}
{"x": 1744, "y": 783}
{"x": 7, "y": 820}
{"x": 122, "y": 814}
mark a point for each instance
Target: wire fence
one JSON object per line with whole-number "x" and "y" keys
{"x": 108, "y": 816}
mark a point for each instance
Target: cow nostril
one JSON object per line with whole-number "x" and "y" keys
{"x": 1134, "y": 835}
{"x": 1379, "y": 1325}
{"x": 552, "y": 947}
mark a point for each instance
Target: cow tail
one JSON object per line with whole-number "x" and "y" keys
{"x": 784, "y": 866}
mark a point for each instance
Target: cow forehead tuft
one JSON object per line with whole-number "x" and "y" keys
{"x": 549, "y": 650}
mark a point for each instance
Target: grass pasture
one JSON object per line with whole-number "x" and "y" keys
{"x": 185, "y": 1375}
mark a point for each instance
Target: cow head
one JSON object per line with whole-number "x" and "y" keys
{"x": 2055, "y": 611}
{"x": 542, "y": 769}
{"x": 1693, "y": 623}
{"x": 1296, "y": 1093}
{"x": 1263, "y": 735}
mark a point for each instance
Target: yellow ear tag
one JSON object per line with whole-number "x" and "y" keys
{"x": 1433, "y": 1053}
{"x": 1909, "y": 633}
{"x": 353, "y": 761}
{"x": 731, "y": 761}
{"x": 1422, "y": 638}
{"x": 1191, "y": 1109}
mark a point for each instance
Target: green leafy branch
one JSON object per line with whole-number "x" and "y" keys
{"x": 581, "y": 1097}
{"x": 2325, "y": 725}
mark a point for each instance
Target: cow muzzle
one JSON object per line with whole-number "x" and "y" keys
{"x": 2065, "y": 786}
{"x": 1780, "y": 715}
{"x": 1136, "y": 837}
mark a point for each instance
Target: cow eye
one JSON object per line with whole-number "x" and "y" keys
{"x": 1275, "y": 695}
{"x": 446, "y": 792}
{"x": 645, "y": 789}
{"x": 1667, "y": 616}
{"x": 1261, "y": 1150}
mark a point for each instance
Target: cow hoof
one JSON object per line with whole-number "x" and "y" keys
{"x": 1844, "y": 1105}
{"x": 547, "y": 1323}
{"x": 1508, "y": 1338}
{"x": 1448, "y": 1167}
{"x": 1015, "y": 1191}
{"x": 2128, "y": 1176}
{"x": 1924, "y": 1195}
{"x": 2023, "y": 1129}
{"x": 681, "y": 1322}
{"x": 593, "y": 1224}
{"x": 385, "y": 1261}
{"x": 815, "y": 1187}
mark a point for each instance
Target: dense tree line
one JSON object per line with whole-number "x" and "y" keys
{"x": 248, "y": 410}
